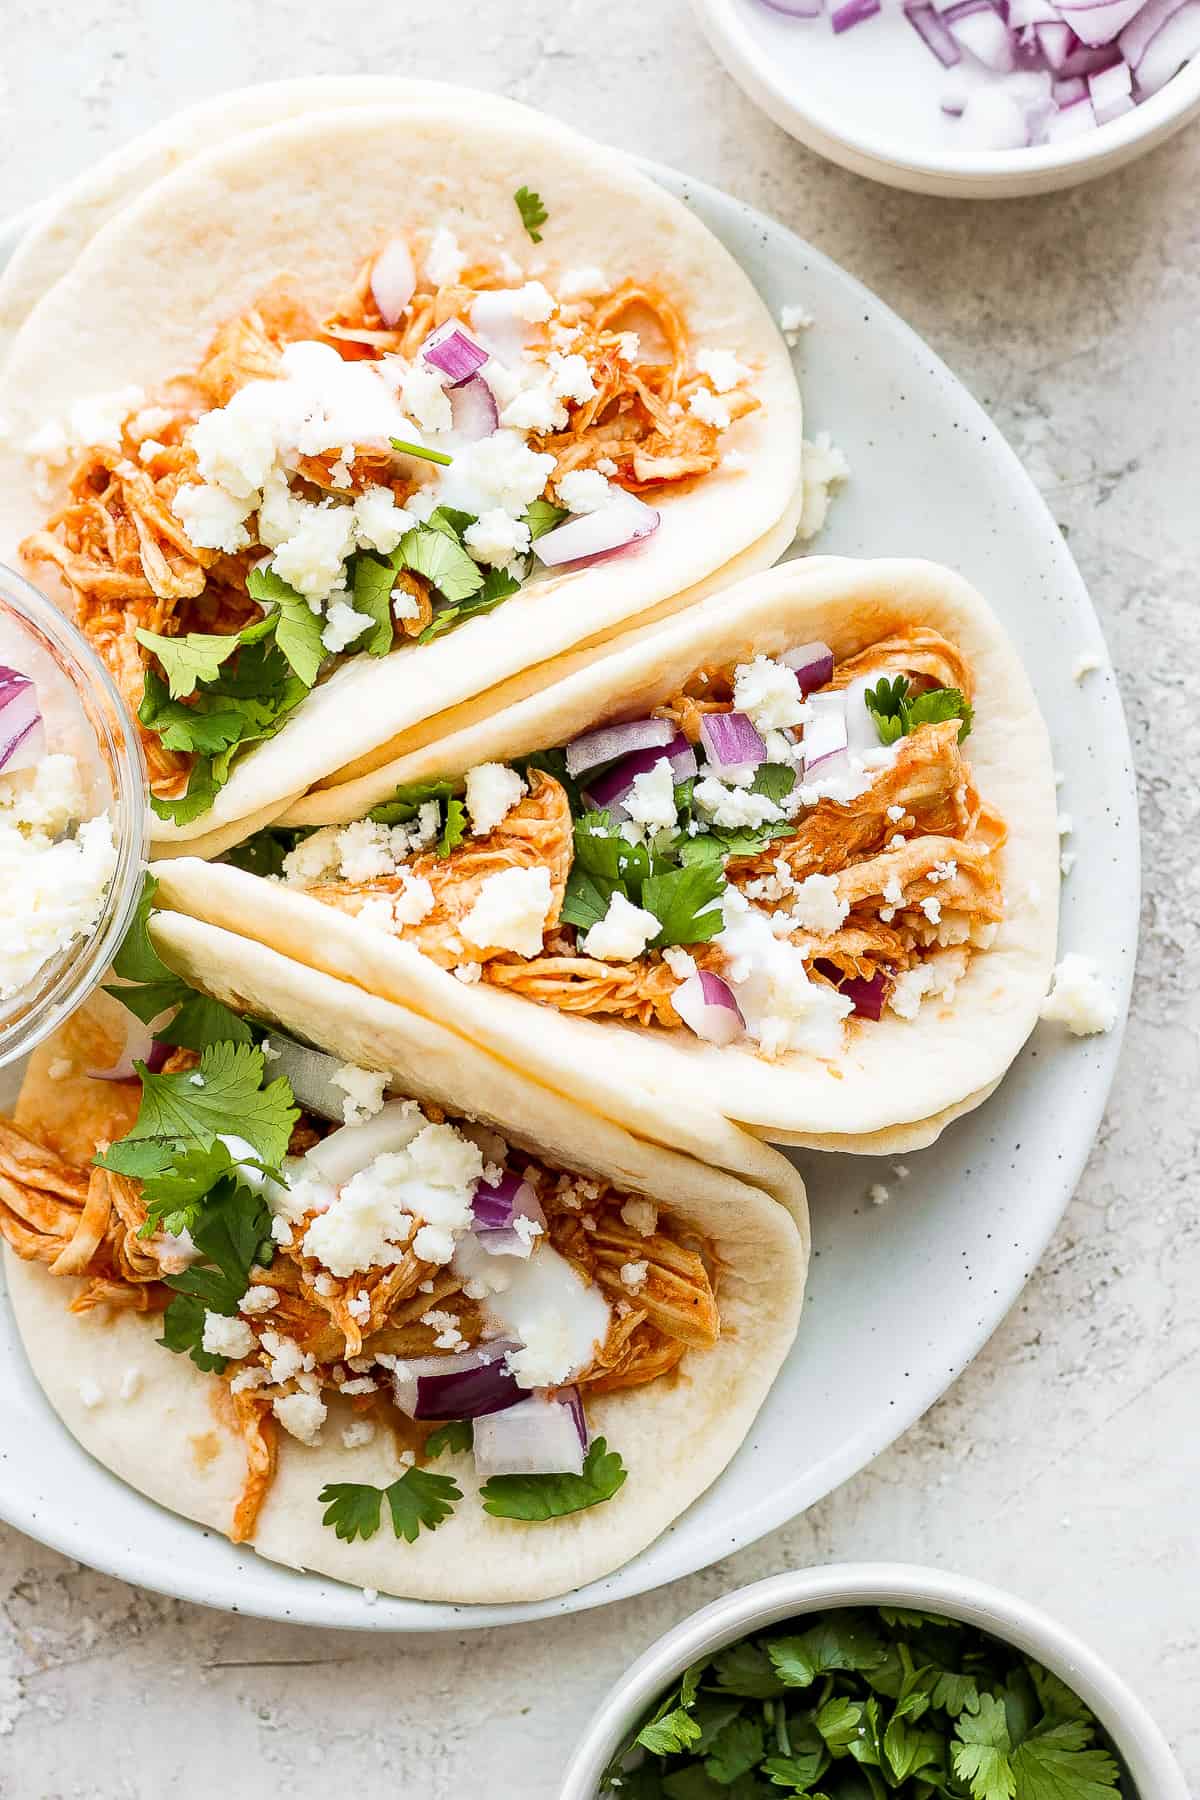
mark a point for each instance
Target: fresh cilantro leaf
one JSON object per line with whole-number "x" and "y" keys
{"x": 183, "y": 1332}
{"x": 839, "y": 1723}
{"x": 231, "y": 1233}
{"x": 586, "y": 898}
{"x": 844, "y": 1640}
{"x": 712, "y": 1712}
{"x": 352, "y": 1508}
{"x": 187, "y": 660}
{"x": 200, "y": 727}
{"x": 416, "y": 1500}
{"x": 684, "y": 903}
{"x": 137, "y": 959}
{"x": 200, "y": 793}
{"x": 774, "y": 780}
{"x": 981, "y": 1753}
{"x": 497, "y": 586}
{"x": 454, "y": 827}
{"x": 424, "y": 453}
{"x": 795, "y": 1772}
{"x": 896, "y": 715}
{"x": 552, "y": 762}
{"x": 373, "y": 584}
{"x": 542, "y": 516}
{"x": 459, "y": 1434}
{"x": 907, "y": 1618}
{"x": 173, "y": 1195}
{"x": 442, "y": 561}
{"x": 533, "y": 213}
{"x": 451, "y": 520}
{"x": 407, "y": 802}
{"x": 746, "y": 1669}
{"x": 1058, "y": 1703}
{"x": 736, "y": 1750}
{"x": 670, "y": 1734}
{"x": 225, "y": 1094}
{"x": 537, "y": 1497}
{"x": 198, "y": 1021}
{"x": 420, "y": 1499}
{"x": 1057, "y": 1765}
{"x": 264, "y": 853}
{"x": 297, "y": 626}
{"x": 938, "y": 705}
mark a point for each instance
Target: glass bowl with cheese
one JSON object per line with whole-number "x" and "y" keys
{"x": 73, "y": 821}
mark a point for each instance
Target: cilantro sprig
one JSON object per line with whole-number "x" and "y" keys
{"x": 895, "y": 714}
{"x": 684, "y": 898}
{"x": 533, "y": 213}
{"x": 417, "y": 1501}
{"x": 541, "y": 1497}
{"x": 865, "y": 1703}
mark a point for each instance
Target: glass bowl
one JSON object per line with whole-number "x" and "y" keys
{"x": 85, "y": 716}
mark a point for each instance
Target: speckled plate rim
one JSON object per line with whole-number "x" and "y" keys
{"x": 991, "y": 1192}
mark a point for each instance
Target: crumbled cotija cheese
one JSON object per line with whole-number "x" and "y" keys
{"x": 52, "y": 880}
{"x": 492, "y": 792}
{"x": 363, "y": 1089}
{"x": 1080, "y": 998}
{"x": 623, "y": 933}
{"x": 510, "y": 911}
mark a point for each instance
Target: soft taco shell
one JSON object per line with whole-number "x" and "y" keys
{"x": 173, "y": 1443}
{"x": 313, "y": 196}
{"x": 897, "y": 1082}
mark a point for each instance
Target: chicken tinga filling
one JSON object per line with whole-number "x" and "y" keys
{"x": 784, "y": 846}
{"x": 344, "y": 483}
{"x": 430, "y": 1280}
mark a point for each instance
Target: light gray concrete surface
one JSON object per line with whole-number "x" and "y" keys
{"x": 1065, "y": 1462}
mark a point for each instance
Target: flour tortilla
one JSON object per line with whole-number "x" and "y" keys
{"x": 897, "y": 1083}
{"x": 174, "y": 1443}
{"x": 64, "y": 227}
{"x": 312, "y": 195}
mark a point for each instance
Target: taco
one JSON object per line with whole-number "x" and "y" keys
{"x": 792, "y": 855}
{"x": 351, "y": 418}
{"x": 384, "y": 1309}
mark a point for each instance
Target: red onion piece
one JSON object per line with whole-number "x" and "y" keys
{"x": 1171, "y": 46}
{"x": 473, "y": 411}
{"x": 393, "y": 279}
{"x": 496, "y": 1209}
{"x": 1070, "y": 122}
{"x": 159, "y": 1053}
{"x": 1023, "y": 14}
{"x": 1088, "y": 59}
{"x": 854, "y": 12}
{"x": 934, "y": 35}
{"x": 825, "y": 734}
{"x": 706, "y": 1005}
{"x": 465, "y": 1386}
{"x": 1099, "y": 21}
{"x": 862, "y": 733}
{"x": 1055, "y": 40}
{"x": 1066, "y": 93}
{"x": 537, "y": 1436}
{"x": 609, "y": 789}
{"x": 140, "y": 1046}
{"x": 954, "y": 109}
{"x": 1111, "y": 92}
{"x": 453, "y": 353}
{"x": 978, "y": 28}
{"x": 794, "y": 9}
{"x": 610, "y": 741}
{"x": 868, "y": 996}
{"x": 1144, "y": 27}
{"x": 617, "y": 526}
{"x": 812, "y": 665}
{"x": 22, "y": 733}
{"x": 573, "y": 1400}
{"x": 682, "y": 759}
{"x": 731, "y": 740}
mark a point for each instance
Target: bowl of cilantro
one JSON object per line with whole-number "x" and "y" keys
{"x": 871, "y": 1680}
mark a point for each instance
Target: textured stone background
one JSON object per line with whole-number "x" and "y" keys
{"x": 1064, "y": 1463}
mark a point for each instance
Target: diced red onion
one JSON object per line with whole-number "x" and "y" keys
{"x": 591, "y": 536}
{"x": 1070, "y": 122}
{"x": 731, "y": 740}
{"x": 825, "y": 734}
{"x": 572, "y": 1399}
{"x": 473, "y": 411}
{"x": 610, "y": 741}
{"x": 393, "y": 279}
{"x": 465, "y": 1386}
{"x": 1099, "y": 21}
{"x": 978, "y": 28}
{"x": 795, "y": 9}
{"x": 1173, "y": 44}
{"x": 22, "y": 732}
{"x": 497, "y": 1207}
{"x": 137, "y": 1048}
{"x": 934, "y": 35}
{"x": 310, "y": 1074}
{"x": 1088, "y": 59}
{"x": 1111, "y": 92}
{"x": 868, "y": 996}
{"x": 862, "y": 733}
{"x": 1066, "y": 93}
{"x": 1055, "y": 39}
{"x": 854, "y": 12}
{"x": 706, "y": 1005}
{"x": 537, "y": 1436}
{"x": 609, "y": 789}
{"x": 812, "y": 665}
{"x": 1145, "y": 26}
{"x": 1023, "y": 14}
{"x": 343, "y": 1153}
{"x": 453, "y": 353}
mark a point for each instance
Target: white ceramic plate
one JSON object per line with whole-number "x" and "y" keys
{"x": 900, "y": 1297}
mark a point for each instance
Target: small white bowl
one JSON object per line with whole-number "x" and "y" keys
{"x": 1153, "y": 1769}
{"x": 958, "y": 174}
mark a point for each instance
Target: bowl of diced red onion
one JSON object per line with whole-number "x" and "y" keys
{"x": 969, "y": 98}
